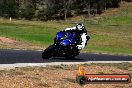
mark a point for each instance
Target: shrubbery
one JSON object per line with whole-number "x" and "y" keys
{"x": 54, "y": 9}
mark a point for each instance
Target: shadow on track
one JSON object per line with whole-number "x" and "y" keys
{"x": 26, "y": 56}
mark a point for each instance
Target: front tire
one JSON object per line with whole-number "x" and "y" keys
{"x": 48, "y": 52}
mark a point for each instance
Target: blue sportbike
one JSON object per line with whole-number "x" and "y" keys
{"x": 65, "y": 45}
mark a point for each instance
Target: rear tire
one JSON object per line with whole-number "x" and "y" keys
{"x": 48, "y": 52}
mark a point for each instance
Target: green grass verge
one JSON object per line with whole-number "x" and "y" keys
{"x": 33, "y": 32}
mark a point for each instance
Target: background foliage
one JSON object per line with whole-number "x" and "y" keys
{"x": 54, "y": 9}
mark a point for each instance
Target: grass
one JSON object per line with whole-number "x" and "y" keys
{"x": 30, "y": 31}
{"x": 111, "y": 33}
{"x": 43, "y": 85}
{"x": 123, "y": 66}
{"x": 11, "y": 72}
{"x": 33, "y": 34}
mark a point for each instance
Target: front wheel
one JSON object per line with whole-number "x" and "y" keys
{"x": 48, "y": 52}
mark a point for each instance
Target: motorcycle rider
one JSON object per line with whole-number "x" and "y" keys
{"x": 80, "y": 34}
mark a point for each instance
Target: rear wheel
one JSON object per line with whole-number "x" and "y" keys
{"x": 48, "y": 52}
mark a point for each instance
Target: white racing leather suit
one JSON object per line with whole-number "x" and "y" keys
{"x": 83, "y": 38}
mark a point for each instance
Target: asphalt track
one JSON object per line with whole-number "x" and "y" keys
{"x": 21, "y": 58}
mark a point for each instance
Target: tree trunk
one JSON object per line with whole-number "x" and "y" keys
{"x": 65, "y": 9}
{"x": 88, "y": 10}
{"x": 65, "y": 14}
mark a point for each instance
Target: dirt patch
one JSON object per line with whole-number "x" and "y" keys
{"x": 15, "y": 44}
{"x": 56, "y": 77}
{"x": 6, "y": 40}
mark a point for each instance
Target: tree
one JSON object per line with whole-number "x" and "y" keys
{"x": 67, "y": 4}
{"x": 8, "y": 8}
{"x": 47, "y": 9}
{"x": 87, "y": 4}
{"x": 29, "y": 9}
{"x": 52, "y": 9}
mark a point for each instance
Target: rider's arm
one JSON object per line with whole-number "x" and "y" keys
{"x": 70, "y": 29}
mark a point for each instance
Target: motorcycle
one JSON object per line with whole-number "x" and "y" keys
{"x": 65, "y": 45}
